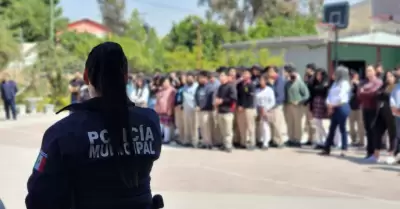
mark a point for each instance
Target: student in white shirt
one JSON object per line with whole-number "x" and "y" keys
{"x": 265, "y": 101}
{"x": 338, "y": 108}
{"x": 140, "y": 93}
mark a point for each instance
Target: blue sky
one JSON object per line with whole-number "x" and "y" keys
{"x": 158, "y": 13}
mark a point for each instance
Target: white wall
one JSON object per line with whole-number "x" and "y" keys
{"x": 300, "y": 56}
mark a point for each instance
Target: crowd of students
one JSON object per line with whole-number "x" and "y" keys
{"x": 250, "y": 108}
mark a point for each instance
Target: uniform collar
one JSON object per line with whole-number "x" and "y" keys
{"x": 93, "y": 104}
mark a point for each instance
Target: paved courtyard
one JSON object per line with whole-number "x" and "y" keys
{"x": 199, "y": 179}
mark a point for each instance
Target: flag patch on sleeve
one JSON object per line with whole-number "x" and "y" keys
{"x": 40, "y": 161}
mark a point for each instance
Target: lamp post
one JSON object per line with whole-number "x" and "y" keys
{"x": 199, "y": 45}
{"x": 51, "y": 21}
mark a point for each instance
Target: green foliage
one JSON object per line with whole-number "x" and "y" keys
{"x": 194, "y": 42}
{"x": 113, "y": 12}
{"x": 33, "y": 17}
{"x": 9, "y": 48}
{"x": 283, "y": 27}
{"x": 80, "y": 44}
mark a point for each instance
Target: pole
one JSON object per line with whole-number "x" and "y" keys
{"x": 21, "y": 52}
{"x": 336, "y": 48}
{"x": 199, "y": 47}
{"x": 51, "y": 21}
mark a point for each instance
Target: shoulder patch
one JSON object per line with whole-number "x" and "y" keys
{"x": 40, "y": 161}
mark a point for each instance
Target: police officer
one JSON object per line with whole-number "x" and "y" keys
{"x": 100, "y": 156}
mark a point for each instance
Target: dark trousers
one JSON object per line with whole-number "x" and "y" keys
{"x": 338, "y": 118}
{"x": 374, "y": 141}
{"x": 397, "y": 148}
{"x": 9, "y": 105}
{"x": 385, "y": 121}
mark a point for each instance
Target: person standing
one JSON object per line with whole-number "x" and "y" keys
{"x": 8, "y": 92}
{"x": 395, "y": 107}
{"x": 141, "y": 93}
{"x": 74, "y": 87}
{"x": 246, "y": 111}
{"x": 309, "y": 78}
{"x": 165, "y": 107}
{"x": 385, "y": 121}
{"x": 355, "y": 118}
{"x": 178, "y": 109}
{"x": 225, "y": 101}
{"x": 367, "y": 94}
{"x": 318, "y": 108}
{"x": 277, "y": 122}
{"x": 338, "y": 109}
{"x": 204, "y": 104}
{"x": 215, "y": 132}
{"x": 265, "y": 101}
{"x": 189, "y": 111}
{"x": 296, "y": 94}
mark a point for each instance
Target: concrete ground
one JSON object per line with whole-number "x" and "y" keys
{"x": 200, "y": 179}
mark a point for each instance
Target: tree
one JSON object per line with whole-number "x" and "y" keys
{"x": 53, "y": 63}
{"x": 298, "y": 25}
{"x": 236, "y": 13}
{"x": 33, "y": 17}
{"x": 113, "y": 13}
{"x": 194, "y": 31}
{"x": 9, "y": 49}
{"x": 79, "y": 44}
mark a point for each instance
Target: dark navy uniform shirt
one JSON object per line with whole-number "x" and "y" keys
{"x": 75, "y": 167}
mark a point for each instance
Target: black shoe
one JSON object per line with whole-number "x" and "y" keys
{"x": 228, "y": 150}
{"x": 259, "y": 144}
{"x": 319, "y": 147}
{"x": 273, "y": 144}
{"x": 295, "y": 144}
{"x": 250, "y": 148}
{"x": 218, "y": 146}
{"x": 324, "y": 153}
{"x": 236, "y": 145}
{"x": 309, "y": 143}
{"x": 187, "y": 145}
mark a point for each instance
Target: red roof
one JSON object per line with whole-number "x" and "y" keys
{"x": 91, "y": 22}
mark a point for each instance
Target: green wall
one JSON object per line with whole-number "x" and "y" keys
{"x": 356, "y": 52}
{"x": 390, "y": 57}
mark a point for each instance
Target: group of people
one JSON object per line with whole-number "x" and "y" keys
{"x": 249, "y": 108}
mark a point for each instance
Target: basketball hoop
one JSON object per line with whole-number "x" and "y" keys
{"x": 386, "y": 23}
{"x": 325, "y": 31}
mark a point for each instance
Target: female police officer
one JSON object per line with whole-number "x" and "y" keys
{"x": 100, "y": 156}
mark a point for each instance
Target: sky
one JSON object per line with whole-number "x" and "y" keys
{"x": 158, "y": 13}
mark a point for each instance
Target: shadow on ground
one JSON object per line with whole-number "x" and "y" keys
{"x": 353, "y": 159}
{"x": 387, "y": 168}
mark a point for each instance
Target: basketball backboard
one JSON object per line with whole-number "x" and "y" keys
{"x": 386, "y": 7}
{"x": 337, "y": 14}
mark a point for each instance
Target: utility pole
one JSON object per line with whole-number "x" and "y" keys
{"x": 51, "y": 21}
{"x": 199, "y": 46}
{"x": 21, "y": 52}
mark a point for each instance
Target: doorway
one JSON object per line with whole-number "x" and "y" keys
{"x": 353, "y": 65}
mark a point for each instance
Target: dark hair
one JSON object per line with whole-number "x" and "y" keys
{"x": 311, "y": 66}
{"x": 190, "y": 74}
{"x": 289, "y": 68}
{"x": 273, "y": 67}
{"x": 265, "y": 77}
{"x": 396, "y": 78}
{"x": 163, "y": 79}
{"x": 204, "y": 73}
{"x": 107, "y": 71}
